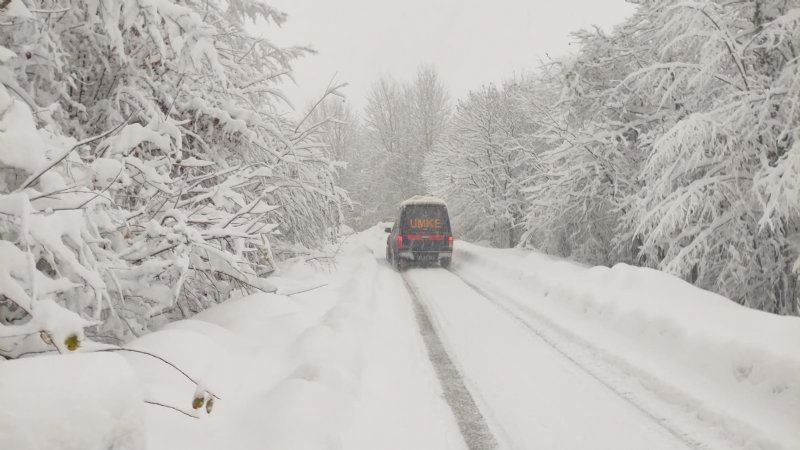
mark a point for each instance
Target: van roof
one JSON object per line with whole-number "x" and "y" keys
{"x": 423, "y": 200}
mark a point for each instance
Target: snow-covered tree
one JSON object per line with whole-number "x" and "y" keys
{"x": 480, "y": 163}
{"x": 430, "y": 111}
{"x": 389, "y": 125}
{"x": 590, "y": 147}
{"x": 719, "y": 203}
{"x": 154, "y": 174}
{"x": 402, "y": 124}
{"x": 673, "y": 144}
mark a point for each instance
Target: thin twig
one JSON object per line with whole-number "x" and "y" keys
{"x": 104, "y": 189}
{"x": 142, "y": 352}
{"x": 174, "y": 408}
{"x": 64, "y": 155}
{"x": 328, "y": 91}
{"x": 33, "y": 352}
{"x": 177, "y": 93}
{"x": 290, "y": 293}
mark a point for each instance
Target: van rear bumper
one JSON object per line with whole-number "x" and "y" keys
{"x": 436, "y": 255}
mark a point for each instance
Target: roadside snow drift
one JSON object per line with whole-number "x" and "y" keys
{"x": 743, "y": 364}
{"x": 85, "y": 401}
{"x": 319, "y": 369}
{"x": 335, "y": 363}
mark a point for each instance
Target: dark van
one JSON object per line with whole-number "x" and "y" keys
{"x": 421, "y": 234}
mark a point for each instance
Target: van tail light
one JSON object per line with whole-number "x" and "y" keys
{"x": 399, "y": 241}
{"x": 450, "y": 242}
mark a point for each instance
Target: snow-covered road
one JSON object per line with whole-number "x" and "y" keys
{"x": 507, "y": 349}
{"x": 400, "y": 402}
{"x": 530, "y": 393}
{"x": 533, "y": 395}
{"x": 544, "y": 383}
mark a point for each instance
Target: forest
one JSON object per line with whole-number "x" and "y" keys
{"x": 148, "y": 169}
{"x": 671, "y": 142}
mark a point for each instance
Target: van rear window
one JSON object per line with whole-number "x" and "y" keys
{"x": 425, "y": 218}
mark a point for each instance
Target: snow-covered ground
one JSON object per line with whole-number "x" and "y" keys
{"x": 76, "y": 402}
{"x": 531, "y": 394}
{"x": 555, "y": 355}
{"x": 341, "y": 366}
{"x": 735, "y": 369}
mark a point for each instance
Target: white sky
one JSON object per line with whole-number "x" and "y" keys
{"x": 470, "y": 42}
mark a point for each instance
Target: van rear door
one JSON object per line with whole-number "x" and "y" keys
{"x": 426, "y": 228}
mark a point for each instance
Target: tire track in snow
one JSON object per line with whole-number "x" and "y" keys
{"x": 681, "y": 436}
{"x": 470, "y": 420}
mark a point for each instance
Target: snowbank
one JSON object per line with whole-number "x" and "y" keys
{"x": 286, "y": 369}
{"x": 89, "y": 401}
{"x": 742, "y": 362}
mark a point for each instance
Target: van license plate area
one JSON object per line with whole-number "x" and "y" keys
{"x": 425, "y": 257}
